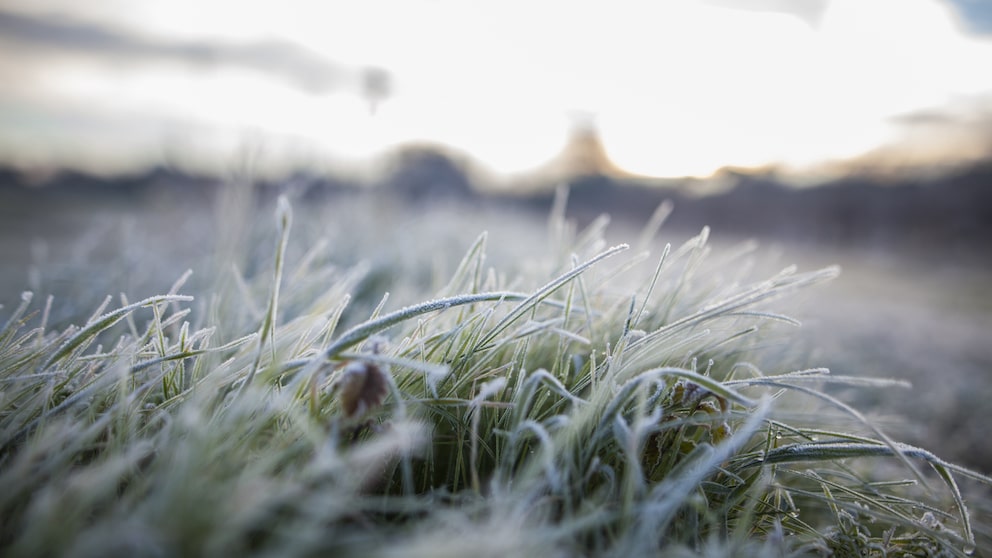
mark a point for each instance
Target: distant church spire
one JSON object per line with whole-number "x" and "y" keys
{"x": 583, "y": 154}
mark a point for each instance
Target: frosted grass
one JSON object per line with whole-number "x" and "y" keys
{"x": 601, "y": 401}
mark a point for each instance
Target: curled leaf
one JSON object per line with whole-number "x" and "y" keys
{"x": 361, "y": 388}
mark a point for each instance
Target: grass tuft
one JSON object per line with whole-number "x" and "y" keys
{"x": 608, "y": 408}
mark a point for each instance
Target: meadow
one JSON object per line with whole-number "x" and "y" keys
{"x": 247, "y": 374}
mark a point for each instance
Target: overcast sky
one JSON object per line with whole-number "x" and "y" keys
{"x": 675, "y": 87}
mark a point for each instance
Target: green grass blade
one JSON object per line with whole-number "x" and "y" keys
{"x": 103, "y": 322}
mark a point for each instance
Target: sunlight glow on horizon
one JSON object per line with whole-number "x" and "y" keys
{"x": 679, "y": 88}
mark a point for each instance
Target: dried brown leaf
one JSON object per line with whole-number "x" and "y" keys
{"x": 362, "y": 388}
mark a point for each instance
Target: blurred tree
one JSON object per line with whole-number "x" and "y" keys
{"x": 376, "y": 86}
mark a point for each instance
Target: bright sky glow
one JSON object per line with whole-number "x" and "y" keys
{"x": 678, "y": 87}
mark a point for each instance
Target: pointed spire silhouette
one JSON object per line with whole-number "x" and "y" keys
{"x": 583, "y": 153}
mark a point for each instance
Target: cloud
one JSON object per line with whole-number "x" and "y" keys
{"x": 958, "y": 133}
{"x": 977, "y": 14}
{"x": 967, "y": 118}
{"x": 974, "y": 15}
{"x": 810, "y": 11}
{"x": 303, "y": 68}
